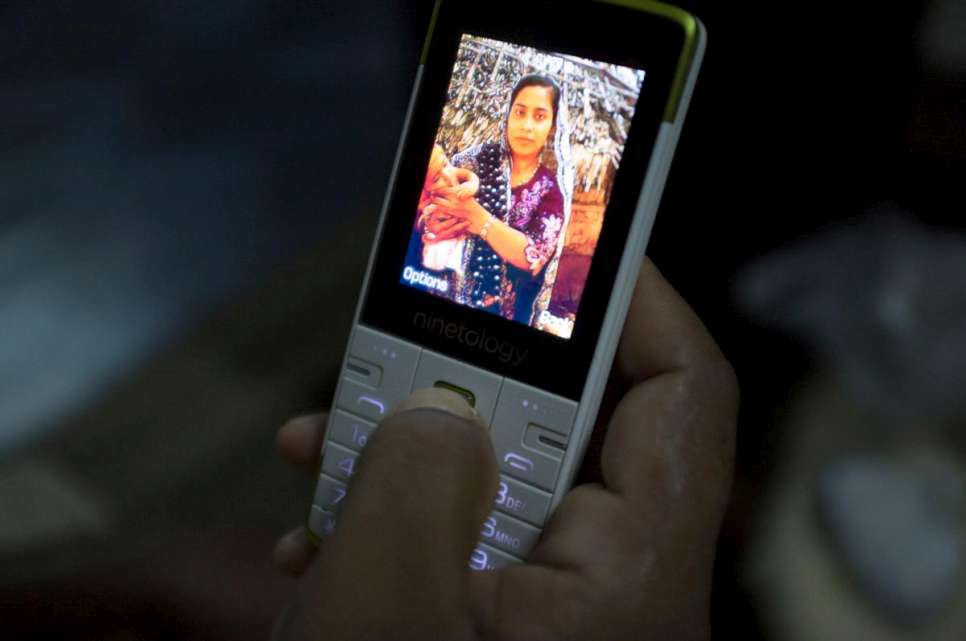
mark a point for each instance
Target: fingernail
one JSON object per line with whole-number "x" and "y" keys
{"x": 438, "y": 399}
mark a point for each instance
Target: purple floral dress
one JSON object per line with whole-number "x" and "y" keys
{"x": 536, "y": 209}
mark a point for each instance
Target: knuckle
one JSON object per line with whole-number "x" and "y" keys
{"x": 714, "y": 389}
{"x": 712, "y": 381}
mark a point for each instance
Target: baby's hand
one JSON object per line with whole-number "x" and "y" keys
{"x": 463, "y": 191}
{"x": 425, "y": 198}
{"x": 438, "y": 217}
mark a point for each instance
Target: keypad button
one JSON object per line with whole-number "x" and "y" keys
{"x": 351, "y": 431}
{"x": 366, "y": 402}
{"x": 378, "y": 374}
{"x": 522, "y": 501}
{"x": 329, "y": 494}
{"x": 508, "y": 534}
{"x": 525, "y": 412}
{"x": 520, "y": 405}
{"x": 321, "y": 523}
{"x": 486, "y": 558}
{"x": 338, "y": 462}
{"x": 550, "y": 443}
{"x": 485, "y": 387}
{"x": 382, "y": 362}
{"x": 523, "y": 463}
{"x": 363, "y": 371}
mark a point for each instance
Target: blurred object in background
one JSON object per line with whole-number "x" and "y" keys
{"x": 942, "y": 45}
{"x": 883, "y": 300}
{"x": 864, "y": 532}
{"x": 187, "y": 197}
{"x": 857, "y": 540}
{"x": 156, "y": 160}
{"x": 936, "y": 134}
{"x": 860, "y": 530}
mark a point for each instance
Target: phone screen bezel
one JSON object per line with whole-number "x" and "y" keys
{"x": 596, "y": 31}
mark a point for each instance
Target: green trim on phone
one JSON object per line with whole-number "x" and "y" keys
{"x": 312, "y": 537}
{"x": 685, "y": 20}
{"x": 429, "y": 33}
{"x": 690, "y": 26}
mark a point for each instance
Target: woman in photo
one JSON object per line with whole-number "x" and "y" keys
{"x": 515, "y": 225}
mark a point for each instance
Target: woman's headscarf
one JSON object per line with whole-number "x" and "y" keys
{"x": 557, "y": 156}
{"x": 561, "y": 154}
{"x": 493, "y": 163}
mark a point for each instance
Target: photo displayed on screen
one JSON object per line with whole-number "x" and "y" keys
{"x": 518, "y": 181}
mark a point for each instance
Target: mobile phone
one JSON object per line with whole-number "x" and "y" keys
{"x": 533, "y": 156}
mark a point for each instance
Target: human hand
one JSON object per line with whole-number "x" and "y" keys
{"x": 468, "y": 209}
{"x": 425, "y": 197}
{"x": 447, "y": 202}
{"x": 441, "y": 226}
{"x": 463, "y": 191}
{"x": 627, "y": 556}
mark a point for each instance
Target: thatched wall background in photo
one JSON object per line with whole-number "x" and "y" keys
{"x": 600, "y": 99}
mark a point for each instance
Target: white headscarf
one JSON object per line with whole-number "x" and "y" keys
{"x": 558, "y": 157}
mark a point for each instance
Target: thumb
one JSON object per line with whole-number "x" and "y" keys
{"x": 397, "y": 564}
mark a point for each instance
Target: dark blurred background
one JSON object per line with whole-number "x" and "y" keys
{"x": 188, "y": 193}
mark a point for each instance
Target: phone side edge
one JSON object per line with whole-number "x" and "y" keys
{"x": 651, "y": 192}
{"x": 691, "y": 52}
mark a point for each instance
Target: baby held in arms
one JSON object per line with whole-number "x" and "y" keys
{"x": 443, "y": 179}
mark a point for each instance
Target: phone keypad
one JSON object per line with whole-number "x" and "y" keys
{"x": 378, "y": 374}
{"x": 364, "y": 401}
{"x": 338, "y": 462}
{"x": 522, "y": 501}
{"x": 523, "y": 463}
{"x": 321, "y": 522}
{"x": 329, "y": 493}
{"x": 529, "y": 428}
{"x": 522, "y": 405}
{"x": 508, "y": 534}
{"x": 350, "y": 431}
{"x": 486, "y": 558}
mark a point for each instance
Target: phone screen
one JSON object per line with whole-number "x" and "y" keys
{"x": 519, "y": 180}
